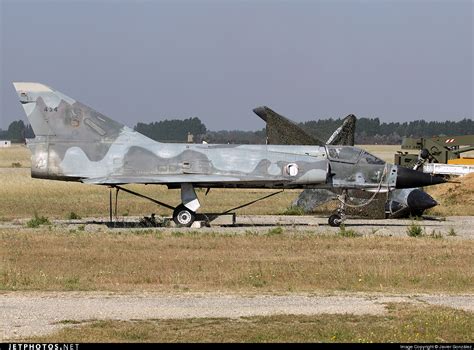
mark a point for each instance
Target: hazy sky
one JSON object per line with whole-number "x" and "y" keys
{"x": 217, "y": 60}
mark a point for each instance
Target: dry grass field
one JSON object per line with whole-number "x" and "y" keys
{"x": 279, "y": 261}
{"x": 403, "y": 324}
{"x": 384, "y": 152}
{"x": 15, "y": 156}
{"x": 454, "y": 198}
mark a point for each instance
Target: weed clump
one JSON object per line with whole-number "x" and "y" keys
{"x": 436, "y": 234}
{"x": 275, "y": 231}
{"x": 73, "y": 216}
{"x": 16, "y": 165}
{"x": 177, "y": 233}
{"x": 414, "y": 230}
{"x": 37, "y": 221}
{"x": 343, "y": 232}
{"x": 451, "y": 232}
{"x": 293, "y": 210}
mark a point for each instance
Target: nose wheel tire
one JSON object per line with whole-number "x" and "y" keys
{"x": 335, "y": 220}
{"x": 183, "y": 217}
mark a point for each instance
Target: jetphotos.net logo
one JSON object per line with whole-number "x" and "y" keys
{"x": 42, "y": 346}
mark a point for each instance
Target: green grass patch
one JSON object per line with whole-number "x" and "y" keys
{"x": 37, "y": 221}
{"x": 177, "y": 233}
{"x": 293, "y": 210}
{"x": 345, "y": 232}
{"x": 414, "y": 230}
{"x": 274, "y": 231}
{"x": 72, "y": 283}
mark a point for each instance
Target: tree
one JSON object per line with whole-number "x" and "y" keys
{"x": 16, "y": 131}
{"x": 29, "y": 133}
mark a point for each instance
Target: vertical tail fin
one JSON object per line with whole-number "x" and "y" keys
{"x": 56, "y": 115}
{"x": 344, "y": 135}
{"x": 63, "y": 126}
{"x": 282, "y": 131}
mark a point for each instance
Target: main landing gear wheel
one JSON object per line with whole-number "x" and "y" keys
{"x": 182, "y": 216}
{"x": 335, "y": 220}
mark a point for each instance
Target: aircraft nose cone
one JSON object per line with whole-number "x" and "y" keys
{"x": 419, "y": 200}
{"x": 409, "y": 178}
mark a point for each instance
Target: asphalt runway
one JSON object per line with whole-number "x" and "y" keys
{"x": 463, "y": 226}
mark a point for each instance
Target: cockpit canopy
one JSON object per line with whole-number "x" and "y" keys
{"x": 352, "y": 155}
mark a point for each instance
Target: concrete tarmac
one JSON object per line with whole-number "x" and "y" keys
{"x": 456, "y": 227}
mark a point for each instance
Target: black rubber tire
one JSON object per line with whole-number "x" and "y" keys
{"x": 183, "y": 217}
{"x": 335, "y": 220}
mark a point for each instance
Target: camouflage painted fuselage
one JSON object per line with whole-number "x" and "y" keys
{"x": 75, "y": 143}
{"x": 132, "y": 158}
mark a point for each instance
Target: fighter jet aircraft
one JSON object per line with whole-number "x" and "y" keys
{"x": 75, "y": 143}
{"x": 280, "y": 130}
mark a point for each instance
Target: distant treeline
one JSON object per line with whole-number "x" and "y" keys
{"x": 368, "y": 131}
{"x": 173, "y": 130}
{"x": 372, "y": 131}
{"x": 17, "y": 132}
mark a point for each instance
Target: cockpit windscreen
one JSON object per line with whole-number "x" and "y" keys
{"x": 367, "y": 158}
{"x": 352, "y": 155}
{"x": 344, "y": 154}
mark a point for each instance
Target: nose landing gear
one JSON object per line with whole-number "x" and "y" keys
{"x": 336, "y": 219}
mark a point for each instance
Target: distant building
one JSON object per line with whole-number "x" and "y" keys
{"x": 190, "y": 138}
{"x": 5, "y": 143}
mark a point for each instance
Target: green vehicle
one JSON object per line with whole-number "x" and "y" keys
{"x": 439, "y": 149}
